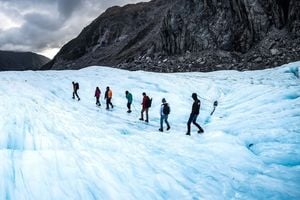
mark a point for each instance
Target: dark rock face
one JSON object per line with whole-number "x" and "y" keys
{"x": 189, "y": 35}
{"x": 14, "y": 61}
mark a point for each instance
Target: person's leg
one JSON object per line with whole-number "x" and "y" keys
{"x": 73, "y": 95}
{"x": 77, "y": 95}
{"x": 129, "y": 107}
{"x": 189, "y": 125}
{"x": 107, "y": 103}
{"x": 200, "y": 130}
{"x": 97, "y": 101}
{"x": 147, "y": 117}
{"x": 161, "y": 122}
{"x": 112, "y": 106}
{"x": 166, "y": 120}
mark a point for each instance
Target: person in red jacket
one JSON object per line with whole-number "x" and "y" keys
{"x": 145, "y": 107}
{"x": 97, "y": 95}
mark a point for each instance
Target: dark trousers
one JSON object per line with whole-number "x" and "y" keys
{"x": 162, "y": 119}
{"x": 108, "y": 102}
{"x": 97, "y": 101}
{"x": 129, "y": 106}
{"x": 75, "y": 93}
{"x": 192, "y": 119}
{"x": 142, "y": 113}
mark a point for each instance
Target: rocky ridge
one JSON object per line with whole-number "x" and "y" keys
{"x": 15, "y": 61}
{"x": 190, "y": 35}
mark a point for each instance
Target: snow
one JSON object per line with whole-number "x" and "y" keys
{"x": 54, "y": 147}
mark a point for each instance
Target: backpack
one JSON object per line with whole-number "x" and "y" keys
{"x": 77, "y": 86}
{"x": 166, "y": 109}
{"x": 149, "y": 102}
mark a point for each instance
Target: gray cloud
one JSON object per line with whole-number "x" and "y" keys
{"x": 46, "y": 24}
{"x": 66, "y": 7}
{"x": 43, "y": 21}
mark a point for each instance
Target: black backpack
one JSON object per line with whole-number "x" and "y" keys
{"x": 77, "y": 86}
{"x": 149, "y": 102}
{"x": 166, "y": 109}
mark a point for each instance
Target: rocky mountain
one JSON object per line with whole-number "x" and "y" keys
{"x": 188, "y": 35}
{"x": 14, "y": 61}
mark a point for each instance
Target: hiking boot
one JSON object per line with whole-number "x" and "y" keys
{"x": 78, "y": 99}
{"x": 188, "y": 134}
{"x": 201, "y": 131}
{"x": 129, "y": 111}
{"x": 161, "y": 130}
{"x": 141, "y": 119}
{"x": 168, "y": 128}
{"x": 112, "y": 106}
{"x": 147, "y": 120}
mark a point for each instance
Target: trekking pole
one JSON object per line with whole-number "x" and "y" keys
{"x": 135, "y": 109}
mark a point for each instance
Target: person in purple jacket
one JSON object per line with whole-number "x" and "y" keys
{"x": 97, "y": 95}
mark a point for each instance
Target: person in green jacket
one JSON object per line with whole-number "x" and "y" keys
{"x": 129, "y": 100}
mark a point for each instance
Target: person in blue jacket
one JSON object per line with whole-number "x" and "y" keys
{"x": 129, "y": 101}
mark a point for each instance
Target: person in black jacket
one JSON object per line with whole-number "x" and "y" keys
{"x": 75, "y": 89}
{"x": 194, "y": 115}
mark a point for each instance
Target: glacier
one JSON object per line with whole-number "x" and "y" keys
{"x": 54, "y": 147}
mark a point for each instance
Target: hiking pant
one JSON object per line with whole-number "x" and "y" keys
{"x": 108, "y": 102}
{"x": 162, "y": 119}
{"x": 129, "y": 106}
{"x": 142, "y": 113}
{"x": 97, "y": 101}
{"x": 193, "y": 118}
{"x": 75, "y": 93}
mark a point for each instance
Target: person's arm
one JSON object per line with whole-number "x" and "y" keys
{"x": 144, "y": 101}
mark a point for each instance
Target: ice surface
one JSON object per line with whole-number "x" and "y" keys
{"x": 54, "y": 147}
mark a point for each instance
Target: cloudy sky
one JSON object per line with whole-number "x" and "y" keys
{"x": 44, "y": 26}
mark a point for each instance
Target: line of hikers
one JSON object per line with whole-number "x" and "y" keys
{"x": 146, "y": 104}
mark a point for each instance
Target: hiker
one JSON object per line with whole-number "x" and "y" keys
{"x": 108, "y": 96}
{"x": 194, "y": 115}
{"x": 129, "y": 101}
{"x": 164, "y": 113}
{"x": 97, "y": 95}
{"x": 145, "y": 107}
{"x": 75, "y": 89}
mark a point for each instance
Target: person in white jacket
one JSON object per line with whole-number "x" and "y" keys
{"x": 164, "y": 113}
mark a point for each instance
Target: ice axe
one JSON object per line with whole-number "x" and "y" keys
{"x": 215, "y": 105}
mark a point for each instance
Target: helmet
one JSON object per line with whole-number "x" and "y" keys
{"x": 163, "y": 100}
